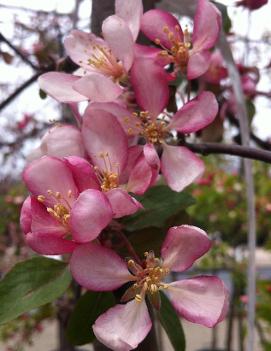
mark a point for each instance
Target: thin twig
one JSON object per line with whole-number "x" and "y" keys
{"x": 128, "y": 245}
{"x": 230, "y": 149}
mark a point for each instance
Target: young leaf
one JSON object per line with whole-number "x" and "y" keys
{"x": 160, "y": 203}
{"x": 86, "y": 311}
{"x": 171, "y": 324}
{"x": 30, "y": 284}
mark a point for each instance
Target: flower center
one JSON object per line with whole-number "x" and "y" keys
{"x": 148, "y": 277}
{"x": 103, "y": 60}
{"x": 154, "y": 131}
{"x": 109, "y": 176}
{"x": 61, "y": 210}
{"x": 179, "y": 50}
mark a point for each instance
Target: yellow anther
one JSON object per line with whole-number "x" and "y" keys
{"x": 131, "y": 263}
{"x": 166, "y": 29}
{"x": 41, "y": 198}
{"x": 58, "y": 195}
{"x": 138, "y": 298}
{"x": 49, "y": 192}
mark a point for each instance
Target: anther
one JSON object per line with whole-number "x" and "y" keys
{"x": 41, "y": 198}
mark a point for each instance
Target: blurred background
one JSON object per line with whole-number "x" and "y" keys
{"x": 31, "y": 42}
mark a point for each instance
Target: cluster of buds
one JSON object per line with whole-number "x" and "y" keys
{"x": 80, "y": 179}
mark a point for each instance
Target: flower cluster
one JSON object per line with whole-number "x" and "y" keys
{"x": 83, "y": 179}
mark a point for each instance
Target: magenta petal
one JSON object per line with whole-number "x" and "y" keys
{"x": 80, "y": 46}
{"x": 83, "y": 173}
{"x": 49, "y": 244}
{"x": 134, "y": 152}
{"x": 196, "y": 114}
{"x": 43, "y": 222}
{"x": 131, "y": 12}
{"x": 180, "y": 166}
{"x": 123, "y": 327}
{"x": 198, "y": 64}
{"x": 90, "y": 214}
{"x": 201, "y": 300}
{"x": 145, "y": 75}
{"x": 60, "y": 86}
{"x": 103, "y": 134}
{"x": 120, "y": 39}
{"x": 98, "y": 87}
{"x": 207, "y": 23}
{"x": 122, "y": 203}
{"x": 98, "y": 268}
{"x": 50, "y": 173}
{"x": 25, "y": 216}
{"x": 182, "y": 246}
{"x": 140, "y": 177}
{"x": 153, "y": 23}
{"x": 147, "y": 52}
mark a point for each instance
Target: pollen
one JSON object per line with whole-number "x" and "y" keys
{"x": 109, "y": 175}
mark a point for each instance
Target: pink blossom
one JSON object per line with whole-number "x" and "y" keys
{"x": 60, "y": 141}
{"x": 190, "y": 55}
{"x": 104, "y": 63}
{"x": 117, "y": 168}
{"x": 65, "y": 207}
{"x": 202, "y": 299}
{"x": 252, "y": 4}
{"x": 179, "y": 165}
{"x": 217, "y": 70}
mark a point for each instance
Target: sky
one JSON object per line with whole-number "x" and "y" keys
{"x": 256, "y": 25}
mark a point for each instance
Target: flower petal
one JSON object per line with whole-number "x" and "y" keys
{"x": 201, "y": 300}
{"x": 131, "y": 12}
{"x": 147, "y": 52}
{"x": 122, "y": 203}
{"x": 103, "y": 135}
{"x": 60, "y": 141}
{"x": 108, "y": 271}
{"x": 90, "y": 214}
{"x": 140, "y": 177}
{"x": 49, "y": 244}
{"x": 196, "y": 114}
{"x": 83, "y": 173}
{"x": 97, "y": 87}
{"x": 153, "y": 23}
{"x": 80, "y": 46}
{"x": 50, "y": 173}
{"x": 43, "y": 222}
{"x": 145, "y": 75}
{"x": 120, "y": 39}
{"x": 198, "y": 64}
{"x": 25, "y": 216}
{"x": 207, "y": 23}
{"x": 123, "y": 327}
{"x": 60, "y": 86}
{"x": 183, "y": 245}
{"x": 180, "y": 166}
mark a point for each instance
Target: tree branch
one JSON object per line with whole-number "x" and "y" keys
{"x": 230, "y": 149}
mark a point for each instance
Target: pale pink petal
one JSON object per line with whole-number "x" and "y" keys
{"x": 80, "y": 46}
{"x": 122, "y": 203}
{"x": 43, "y": 222}
{"x": 201, "y": 300}
{"x": 196, "y": 114}
{"x": 98, "y": 268}
{"x": 60, "y": 86}
{"x": 60, "y": 141}
{"x": 198, "y": 64}
{"x": 150, "y": 83}
{"x": 105, "y": 140}
{"x": 153, "y": 160}
{"x": 120, "y": 39}
{"x": 207, "y": 23}
{"x": 134, "y": 152}
{"x": 25, "y": 216}
{"x": 90, "y": 214}
{"x": 148, "y": 52}
{"x": 153, "y": 23}
{"x": 49, "y": 244}
{"x": 131, "y": 12}
{"x": 182, "y": 246}
{"x": 50, "y": 173}
{"x": 180, "y": 166}
{"x": 123, "y": 327}
{"x": 140, "y": 177}
{"x": 97, "y": 87}
{"x": 83, "y": 173}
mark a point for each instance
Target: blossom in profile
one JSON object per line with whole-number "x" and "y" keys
{"x": 252, "y": 4}
{"x": 104, "y": 63}
{"x": 201, "y": 299}
{"x": 65, "y": 207}
{"x": 190, "y": 54}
